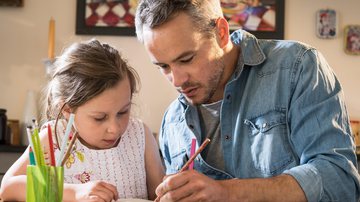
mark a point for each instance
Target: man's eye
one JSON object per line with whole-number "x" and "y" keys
{"x": 186, "y": 60}
{"x": 163, "y": 66}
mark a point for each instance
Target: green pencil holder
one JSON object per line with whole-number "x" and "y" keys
{"x": 44, "y": 183}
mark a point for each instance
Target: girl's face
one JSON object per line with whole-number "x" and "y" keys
{"x": 102, "y": 120}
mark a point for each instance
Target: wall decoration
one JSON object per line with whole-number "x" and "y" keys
{"x": 106, "y": 17}
{"x": 263, "y": 18}
{"x": 352, "y": 39}
{"x": 12, "y": 3}
{"x": 355, "y": 129}
{"x": 326, "y": 24}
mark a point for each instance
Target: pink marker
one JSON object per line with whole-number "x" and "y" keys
{"x": 192, "y": 152}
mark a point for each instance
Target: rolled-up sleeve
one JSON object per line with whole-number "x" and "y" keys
{"x": 309, "y": 179}
{"x": 320, "y": 133}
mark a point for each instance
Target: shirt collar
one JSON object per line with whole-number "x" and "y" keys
{"x": 251, "y": 52}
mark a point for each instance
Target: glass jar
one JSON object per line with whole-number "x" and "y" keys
{"x": 3, "y": 125}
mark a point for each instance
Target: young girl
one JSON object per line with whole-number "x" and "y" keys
{"x": 114, "y": 156}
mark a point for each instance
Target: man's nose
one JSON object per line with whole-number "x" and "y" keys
{"x": 178, "y": 77}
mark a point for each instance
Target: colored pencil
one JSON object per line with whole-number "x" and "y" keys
{"x": 31, "y": 142}
{"x": 202, "y": 147}
{"x": 192, "y": 152}
{"x": 68, "y": 151}
{"x": 31, "y": 157}
{"x": 37, "y": 144}
{"x": 192, "y": 158}
{"x": 51, "y": 146}
{"x": 65, "y": 139}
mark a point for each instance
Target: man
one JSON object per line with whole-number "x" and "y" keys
{"x": 274, "y": 111}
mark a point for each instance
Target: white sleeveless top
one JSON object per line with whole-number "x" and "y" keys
{"x": 122, "y": 166}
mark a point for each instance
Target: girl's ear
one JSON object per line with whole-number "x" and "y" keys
{"x": 222, "y": 27}
{"x": 66, "y": 111}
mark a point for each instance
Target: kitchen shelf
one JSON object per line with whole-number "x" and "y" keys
{"x": 12, "y": 148}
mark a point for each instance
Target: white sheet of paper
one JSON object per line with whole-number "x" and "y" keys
{"x": 132, "y": 200}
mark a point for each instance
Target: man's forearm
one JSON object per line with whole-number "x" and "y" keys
{"x": 280, "y": 188}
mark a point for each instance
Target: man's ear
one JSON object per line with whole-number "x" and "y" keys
{"x": 222, "y": 27}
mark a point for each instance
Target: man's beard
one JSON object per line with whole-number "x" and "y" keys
{"x": 213, "y": 84}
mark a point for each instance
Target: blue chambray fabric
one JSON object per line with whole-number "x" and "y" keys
{"x": 283, "y": 112}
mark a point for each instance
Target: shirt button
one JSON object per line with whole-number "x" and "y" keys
{"x": 228, "y": 97}
{"x": 227, "y": 137}
{"x": 191, "y": 127}
{"x": 264, "y": 125}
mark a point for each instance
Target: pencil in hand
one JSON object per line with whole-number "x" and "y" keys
{"x": 192, "y": 158}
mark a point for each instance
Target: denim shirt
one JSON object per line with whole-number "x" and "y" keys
{"x": 283, "y": 112}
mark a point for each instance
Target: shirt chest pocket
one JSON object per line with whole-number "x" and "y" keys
{"x": 270, "y": 149}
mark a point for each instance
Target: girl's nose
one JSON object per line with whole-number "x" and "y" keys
{"x": 113, "y": 127}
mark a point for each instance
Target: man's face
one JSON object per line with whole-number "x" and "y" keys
{"x": 190, "y": 61}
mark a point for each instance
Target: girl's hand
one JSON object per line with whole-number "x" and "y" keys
{"x": 95, "y": 191}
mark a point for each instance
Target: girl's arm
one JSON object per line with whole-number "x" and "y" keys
{"x": 13, "y": 185}
{"x": 153, "y": 164}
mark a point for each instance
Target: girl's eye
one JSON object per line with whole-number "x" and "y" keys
{"x": 123, "y": 112}
{"x": 99, "y": 119}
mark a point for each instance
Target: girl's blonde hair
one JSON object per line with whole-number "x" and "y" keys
{"x": 83, "y": 71}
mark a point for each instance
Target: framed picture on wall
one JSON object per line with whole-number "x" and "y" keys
{"x": 11, "y": 3}
{"x": 355, "y": 127}
{"x": 263, "y": 18}
{"x": 352, "y": 39}
{"x": 105, "y": 17}
{"x": 326, "y": 24}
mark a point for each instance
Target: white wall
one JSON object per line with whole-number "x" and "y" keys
{"x": 300, "y": 25}
{"x": 23, "y": 47}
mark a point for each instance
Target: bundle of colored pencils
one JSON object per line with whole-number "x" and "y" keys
{"x": 36, "y": 152}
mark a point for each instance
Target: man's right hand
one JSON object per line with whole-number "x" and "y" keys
{"x": 191, "y": 186}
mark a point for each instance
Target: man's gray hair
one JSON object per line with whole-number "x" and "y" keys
{"x": 153, "y": 13}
